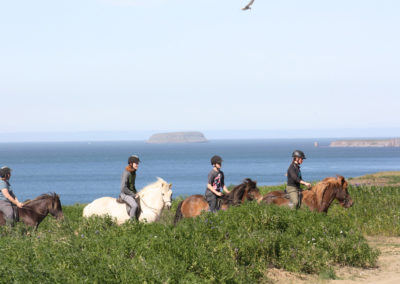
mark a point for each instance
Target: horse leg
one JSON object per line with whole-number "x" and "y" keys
{"x": 2, "y": 219}
{"x": 178, "y": 214}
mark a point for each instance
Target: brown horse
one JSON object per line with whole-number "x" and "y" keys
{"x": 319, "y": 197}
{"x": 194, "y": 205}
{"x": 34, "y": 211}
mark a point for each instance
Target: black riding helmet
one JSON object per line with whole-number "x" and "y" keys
{"x": 133, "y": 159}
{"x": 216, "y": 160}
{"x": 4, "y": 171}
{"x": 299, "y": 154}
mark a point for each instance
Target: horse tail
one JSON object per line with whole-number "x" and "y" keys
{"x": 178, "y": 214}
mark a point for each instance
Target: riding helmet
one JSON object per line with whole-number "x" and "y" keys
{"x": 133, "y": 159}
{"x": 4, "y": 171}
{"x": 216, "y": 160}
{"x": 299, "y": 154}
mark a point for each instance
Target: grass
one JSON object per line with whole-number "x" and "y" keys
{"x": 389, "y": 178}
{"x": 233, "y": 246}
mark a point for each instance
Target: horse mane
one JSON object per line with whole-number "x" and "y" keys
{"x": 327, "y": 186}
{"x": 53, "y": 196}
{"x": 153, "y": 185}
{"x": 237, "y": 193}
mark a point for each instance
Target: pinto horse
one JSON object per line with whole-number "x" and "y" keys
{"x": 194, "y": 205}
{"x": 34, "y": 211}
{"x": 319, "y": 197}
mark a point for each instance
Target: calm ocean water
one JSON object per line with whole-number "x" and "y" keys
{"x": 81, "y": 172}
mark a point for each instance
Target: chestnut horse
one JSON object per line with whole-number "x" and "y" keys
{"x": 34, "y": 211}
{"x": 194, "y": 205}
{"x": 319, "y": 197}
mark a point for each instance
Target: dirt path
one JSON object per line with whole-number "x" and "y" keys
{"x": 386, "y": 272}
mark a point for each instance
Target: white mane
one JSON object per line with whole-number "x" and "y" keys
{"x": 155, "y": 185}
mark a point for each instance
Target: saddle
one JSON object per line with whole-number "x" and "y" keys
{"x": 128, "y": 208}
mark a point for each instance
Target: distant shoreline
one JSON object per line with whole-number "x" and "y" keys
{"x": 177, "y": 137}
{"x": 394, "y": 142}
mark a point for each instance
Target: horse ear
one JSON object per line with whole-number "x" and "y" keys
{"x": 341, "y": 179}
{"x": 170, "y": 185}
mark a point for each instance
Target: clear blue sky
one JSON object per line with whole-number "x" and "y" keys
{"x": 169, "y": 65}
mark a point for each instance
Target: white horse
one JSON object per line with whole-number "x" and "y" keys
{"x": 153, "y": 198}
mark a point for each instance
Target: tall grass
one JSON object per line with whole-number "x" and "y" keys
{"x": 236, "y": 246}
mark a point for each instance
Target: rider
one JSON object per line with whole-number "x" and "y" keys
{"x": 7, "y": 197}
{"x": 215, "y": 184}
{"x": 294, "y": 179}
{"x": 128, "y": 189}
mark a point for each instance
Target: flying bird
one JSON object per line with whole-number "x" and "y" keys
{"x": 248, "y": 5}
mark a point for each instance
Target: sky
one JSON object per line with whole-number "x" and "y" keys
{"x": 124, "y": 69}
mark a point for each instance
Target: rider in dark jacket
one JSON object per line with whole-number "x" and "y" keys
{"x": 294, "y": 179}
{"x": 128, "y": 188}
{"x": 216, "y": 184}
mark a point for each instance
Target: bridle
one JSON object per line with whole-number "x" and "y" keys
{"x": 155, "y": 210}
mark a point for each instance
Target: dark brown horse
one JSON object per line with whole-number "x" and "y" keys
{"x": 34, "y": 211}
{"x": 319, "y": 197}
{"x": 194, "y": 205}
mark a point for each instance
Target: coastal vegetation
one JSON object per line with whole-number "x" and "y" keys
{"x": 238, "y": 245}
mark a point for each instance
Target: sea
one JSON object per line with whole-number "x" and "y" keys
{"x": 83, "y": 171}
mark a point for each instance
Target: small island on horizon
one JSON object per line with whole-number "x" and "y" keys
{"x": 394, "y": 142}
{"x": 177, "y": 137}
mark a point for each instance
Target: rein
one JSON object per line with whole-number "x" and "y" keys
{"x": 152, "y": 208}
{"x": 155, "y": 210}
{"x": 225, "y": 197}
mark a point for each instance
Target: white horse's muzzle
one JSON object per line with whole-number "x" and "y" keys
{"x": 168, "y": 205}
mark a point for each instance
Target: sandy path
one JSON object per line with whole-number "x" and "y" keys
{"x": 386, "y": 272}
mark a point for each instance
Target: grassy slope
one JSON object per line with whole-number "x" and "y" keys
{"x": 391, "y": 178}
{"x": 233, "y": 246}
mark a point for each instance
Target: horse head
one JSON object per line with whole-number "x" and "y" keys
{"x": 342, "y": 194}
{"x": 166, "y": 193}
{"x": 333, "y": 188}
{"x": 54, "y": 207}
{"x": 252, "y": 192}
{"x": 247, "y": 190}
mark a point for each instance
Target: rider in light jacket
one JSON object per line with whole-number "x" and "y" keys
{"x": 7, "y": 197}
